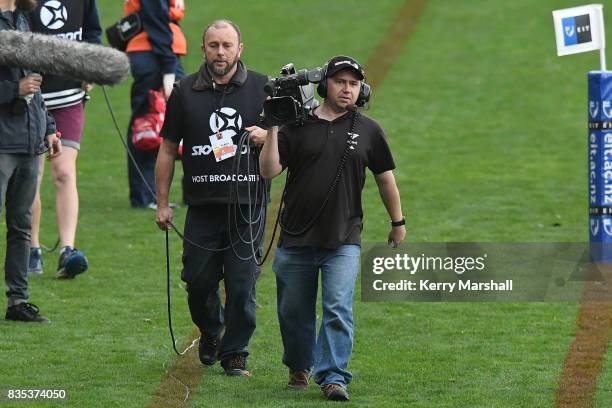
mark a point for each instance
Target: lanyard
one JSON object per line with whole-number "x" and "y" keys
{"x": 220, "y": 106}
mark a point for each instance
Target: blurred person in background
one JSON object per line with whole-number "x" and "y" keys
{"x": 74, "y": 20}
{"x": 154, "y": 59}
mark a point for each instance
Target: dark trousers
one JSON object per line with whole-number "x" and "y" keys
{"x": 202, "y": 270}
{"x": 18, "y": 173}
{"x": 147, "y": 74}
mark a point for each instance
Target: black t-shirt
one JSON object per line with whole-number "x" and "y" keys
{"x": 197, "y": 115}
{"x": 312, "y": 154}
{"x": 61, "y": 18}
{"x": 64, "y": 19}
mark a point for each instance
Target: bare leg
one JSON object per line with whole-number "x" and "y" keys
{"x": 37, "y": 207}
{"x": 66, "y": 195}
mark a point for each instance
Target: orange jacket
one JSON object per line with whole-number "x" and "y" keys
{"x": 141, "y": 41}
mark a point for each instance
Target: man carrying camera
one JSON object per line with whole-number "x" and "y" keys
{"x": 321, "y": 223}
{"x": 24, "y": 124}
{"x": 209, "y": 111}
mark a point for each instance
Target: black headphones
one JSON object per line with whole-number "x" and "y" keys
{"x": 364, "y": 91}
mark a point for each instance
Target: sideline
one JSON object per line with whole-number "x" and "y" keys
{"x": 185, "y": 374}
{"x": 393, "y": 42}
{"x": 584, "y": 361}
{"x": 181, "y": 378}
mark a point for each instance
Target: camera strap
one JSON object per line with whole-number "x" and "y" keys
{"x": 332, "y": 187}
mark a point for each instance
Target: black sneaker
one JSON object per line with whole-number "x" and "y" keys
{"x": 71, "y": 263}
{"x": 235, "y": 366}
{"x": 35, "y": 263}
{"x": 25, "y": 312}
{"x": 208, "y": 349}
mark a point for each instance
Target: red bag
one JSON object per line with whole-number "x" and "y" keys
{"x": 146, "y": 128}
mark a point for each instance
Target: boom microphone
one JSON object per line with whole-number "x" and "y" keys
{"x": 69, "y": 59}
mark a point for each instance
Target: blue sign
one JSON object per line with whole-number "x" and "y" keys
{"x": 599, "y": 145}
{"x": 569, "y": 31}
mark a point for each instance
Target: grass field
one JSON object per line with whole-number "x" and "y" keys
{"x": 488, "y": 130}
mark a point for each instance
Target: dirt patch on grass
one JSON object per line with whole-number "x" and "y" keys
{"x": 181, "y": 378}
{"x": 584, "y": 361}
{"x": 393, "y": 42}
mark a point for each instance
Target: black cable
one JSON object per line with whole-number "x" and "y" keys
{"x": 261, "y": 226}
{"x": 49, "y": 250}
{"x": 237, "y": 208}
{"x": 262, "y": 205}
{"x": 127, "y": 149}
{"x": 258, "y": 186}
{"x": 131, "y": 157}
{"x": 168, "y": 293}
{"x": 182, "y": 236}
{"x": 276, "y": 224}
{"x": 236, "y": 175}
{"x": 260, "y": 262}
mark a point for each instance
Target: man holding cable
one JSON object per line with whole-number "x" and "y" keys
{"x": 26, "y": 130}
{"x": 326, "y": 158}
{"x": 209, "y": 111}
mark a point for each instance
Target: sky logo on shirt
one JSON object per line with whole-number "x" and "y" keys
{"x": 53, "y": 15}
{"x": 225, "y": 119}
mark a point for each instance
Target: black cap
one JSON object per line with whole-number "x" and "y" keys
{"x": 343, "y": 62}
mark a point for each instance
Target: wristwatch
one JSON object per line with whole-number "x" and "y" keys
{"x": 398, "y": 223}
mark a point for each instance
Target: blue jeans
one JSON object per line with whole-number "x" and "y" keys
{"x": 297, "y": 278}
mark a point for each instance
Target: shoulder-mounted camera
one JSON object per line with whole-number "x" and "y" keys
{"x": 292, "y": 96}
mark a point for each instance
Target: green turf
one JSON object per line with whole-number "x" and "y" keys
{"x": 487, "y": 126}
{"x": 604, "y": 389}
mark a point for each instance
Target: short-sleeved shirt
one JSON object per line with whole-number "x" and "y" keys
{"x": 312, "y": 153}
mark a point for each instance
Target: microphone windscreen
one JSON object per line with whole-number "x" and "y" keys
{"x": 69, "y": 59}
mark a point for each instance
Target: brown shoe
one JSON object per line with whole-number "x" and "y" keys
{"x": 235, "y": 366}
{"x": 335, "y": 392}
{"x": 298, "y": 380}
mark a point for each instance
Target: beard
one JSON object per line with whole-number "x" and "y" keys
{"x": 221, "y": 71}
{"x": 26, "y": 5}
